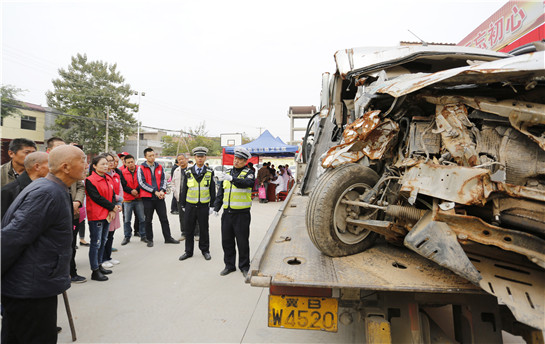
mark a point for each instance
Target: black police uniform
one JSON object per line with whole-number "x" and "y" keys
{"x": 181, "y": 210}
{"x": 197, "y": 212}
{"x": 235, "y": 224}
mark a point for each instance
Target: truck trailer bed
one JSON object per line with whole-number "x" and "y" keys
{"x": 287, "y": 257}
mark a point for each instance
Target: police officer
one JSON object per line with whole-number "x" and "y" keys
{"x": 235, "y": 194}
{"x": 198, "y": 193}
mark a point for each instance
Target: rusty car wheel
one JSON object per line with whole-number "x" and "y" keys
{"x": 326, "y": 215}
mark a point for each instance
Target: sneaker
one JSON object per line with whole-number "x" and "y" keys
{"x": 182, "y": 238}
{"x": 78, "y": 279}
{"x": 136, "y": 234}
{"x": 107, "y": 264}
{"x": 114, "y": 261}
{"x": 174, "y": 212}
{"x": 114, "y": 249}
{"x": 196, "y": 238}
{"x": 125, "y": 241}
{"x": 150, "y": 243}
{"x": 143, "y": 239}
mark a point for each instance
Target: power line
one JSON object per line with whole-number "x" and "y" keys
{"x": 96, "y": 119}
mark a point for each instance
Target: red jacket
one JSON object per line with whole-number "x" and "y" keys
{"x": 132, "y": 183}
{"x": 105, "y": 187}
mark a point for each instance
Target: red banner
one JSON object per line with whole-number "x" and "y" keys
{"x": 227, "y": 159}
{"x": 511, "y": 22}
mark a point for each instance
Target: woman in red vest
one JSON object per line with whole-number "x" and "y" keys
{"x": 101, "y": 209}
{"x": 113, "y": 161}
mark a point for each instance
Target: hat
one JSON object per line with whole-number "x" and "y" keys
{"x": 199, "y": 151}
{"x": 241, "y": 152}
{"x": 122, "y": 154}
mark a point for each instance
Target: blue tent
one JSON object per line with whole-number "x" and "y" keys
{"x": 266, "y": 145}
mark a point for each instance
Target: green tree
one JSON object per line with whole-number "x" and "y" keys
{"x": 9, "y": 104}
{"x": 193, "y": 137}
{"x": 84, "y": 92}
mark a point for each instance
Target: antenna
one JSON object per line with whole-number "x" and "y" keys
{"x": 424, "y": 43}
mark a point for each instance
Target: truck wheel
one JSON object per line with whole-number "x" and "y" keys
{"x": 326, "y": 215}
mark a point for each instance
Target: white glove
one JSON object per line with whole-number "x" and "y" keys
{"x": 221, "y": 176}
{"x": 228, "y": 177}
{"x": 216, "y": 214}
{"x": 210, "y": 211}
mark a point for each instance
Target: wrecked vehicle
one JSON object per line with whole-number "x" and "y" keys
{"x": 420, "y": 214}
{"x": 442, "y": 150}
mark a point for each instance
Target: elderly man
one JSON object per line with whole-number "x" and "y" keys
{"x": 235, "y": 194}
{"x": 36, "y": 250}
{"x": 17, "y": 151}
{"x": 35, "y": 167}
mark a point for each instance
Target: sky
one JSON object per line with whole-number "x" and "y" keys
{"x": 235, "y": 65}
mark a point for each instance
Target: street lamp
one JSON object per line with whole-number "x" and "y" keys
{"x": 140, "y": 95}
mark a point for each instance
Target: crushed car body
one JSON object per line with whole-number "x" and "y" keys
{"x": 449, "y": 148}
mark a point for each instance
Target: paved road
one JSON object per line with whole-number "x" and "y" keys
{"x": 152, "y": 297}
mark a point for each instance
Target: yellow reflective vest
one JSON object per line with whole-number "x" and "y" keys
{"x": 234, "y": 197}
{"x": 198, "y": 192}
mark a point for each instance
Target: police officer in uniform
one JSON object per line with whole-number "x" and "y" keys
{"x": 197, "y": 195}
{"x": 235, "y": 194}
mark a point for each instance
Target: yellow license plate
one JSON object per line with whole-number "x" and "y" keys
{"x": 301, "y": 312}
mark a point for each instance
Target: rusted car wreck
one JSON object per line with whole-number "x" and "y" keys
{"x": 442, "y": 150}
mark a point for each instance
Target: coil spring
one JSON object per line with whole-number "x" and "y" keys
{"x": 407, "y": 213}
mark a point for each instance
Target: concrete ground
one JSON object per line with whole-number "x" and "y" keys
{"x": 152, "y": 297}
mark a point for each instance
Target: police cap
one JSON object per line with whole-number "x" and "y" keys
{"x": 241, "y": 152}
{"x": 200, "y": 151}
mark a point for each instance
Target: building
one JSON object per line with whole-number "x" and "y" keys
{"x": 302, "y": 114}
{"x": 30, "y": 124}
{"x": 153, "y": 139}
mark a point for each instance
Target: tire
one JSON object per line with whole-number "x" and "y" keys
{"x": 325, "y": 214}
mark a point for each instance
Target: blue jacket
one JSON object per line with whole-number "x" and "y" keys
{"x": 37, "y": 241}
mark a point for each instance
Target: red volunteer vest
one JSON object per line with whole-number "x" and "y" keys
{"x": 132, "y": 182}
{"x": 105, "y": 187}
{"x": 147, "y": 177}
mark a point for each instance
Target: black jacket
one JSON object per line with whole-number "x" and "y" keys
{"x": 11, "y": 190}
{"x": 37, "y": 241}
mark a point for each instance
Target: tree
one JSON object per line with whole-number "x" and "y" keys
{"x": 84, "y": 93}
{"x": 197, "y": 137}
{"x": 9, "y": 104}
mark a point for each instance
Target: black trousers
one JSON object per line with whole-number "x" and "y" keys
{"x": 193, "y": 215}
{"x": 181, "y": 216}
{"x": 235, "y": 227}
{"x": 160, "y": 207}
{"x": 29, "y": 320}
{"x": 173, "y": 204}
{"x": 78, "y": 225}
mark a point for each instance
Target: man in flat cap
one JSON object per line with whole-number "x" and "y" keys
{"x": 197, "y": 195}
{"x": 235, "y": 194}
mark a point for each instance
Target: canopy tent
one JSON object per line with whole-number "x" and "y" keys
{"x": 280, "y": 140}
{"x": 266, "y": 145}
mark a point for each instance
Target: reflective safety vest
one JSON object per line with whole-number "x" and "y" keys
{"x": 198, "y": 192}
{"x": 234, "y": 197}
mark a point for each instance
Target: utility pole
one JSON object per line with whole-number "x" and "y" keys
{"x": 107, "y": 120}
{"x": 140, "y": 94}
{"x": 260, "y": 130}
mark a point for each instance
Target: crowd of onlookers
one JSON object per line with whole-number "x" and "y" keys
{"x": 111, "y": 193}
{"x": 44, "y": 193}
